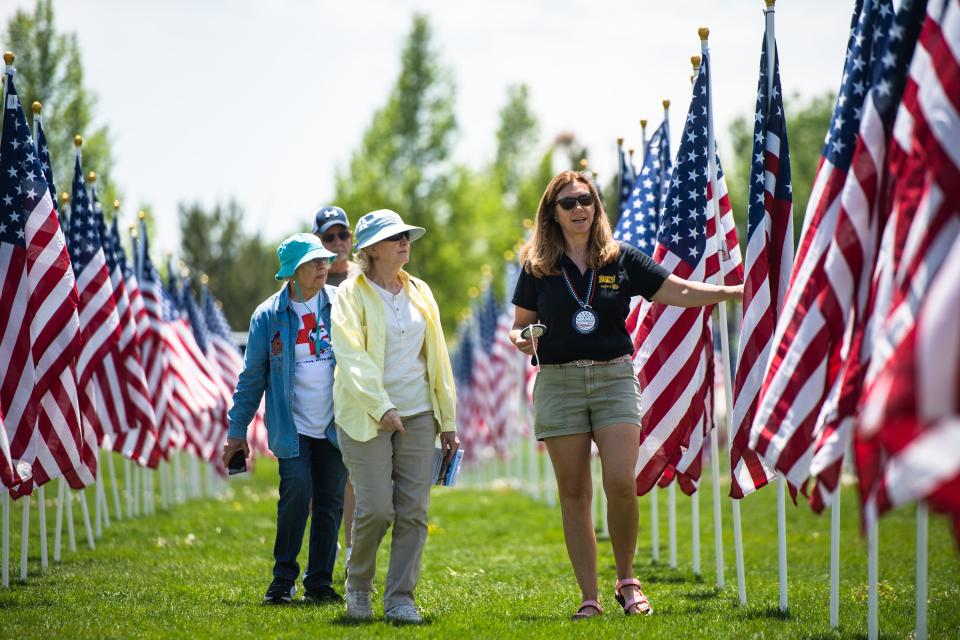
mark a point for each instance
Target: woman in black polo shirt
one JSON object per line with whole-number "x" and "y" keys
{"x": 577, "y": 280}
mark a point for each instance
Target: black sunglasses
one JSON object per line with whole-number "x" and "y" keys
{"x": 568, "y": 203}
{"x": 343, "y": 235}
{"x": 403, "y": 235}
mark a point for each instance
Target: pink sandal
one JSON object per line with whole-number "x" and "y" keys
{"x": 636, "y": 605}
{"x": 581, "y": 613}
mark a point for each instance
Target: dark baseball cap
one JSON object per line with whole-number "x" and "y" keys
{"x": 328, "y": 217}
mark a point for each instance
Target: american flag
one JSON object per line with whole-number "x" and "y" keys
{"x": 794, "y": 430}
{"x": 508, "y": 372}
{"x": 230, "y": 363}
{"x": 221, "y": 379}
{"x": 43, "y": 153}
{"x": 672, "y": 356}
{"x": 640, "y": 212}
{"x": 98, "y": 372}
{"x": 9, "y": 475}
{"x": 190, "y": 332}
{"x": 627, "y": 176}
{"x": 909, "y": 429}
{"x": 39, "y": 329}
{"x": 139, "y": 444}
{"x": 133, "y": 383}
{"x": 483, "y": 375}
{"x": 462, "y": 363}
{"x": 769, "y": 258}
{"x": 175, "y": 402}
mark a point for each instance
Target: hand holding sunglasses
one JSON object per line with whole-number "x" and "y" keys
{"x": 568, "y": 203}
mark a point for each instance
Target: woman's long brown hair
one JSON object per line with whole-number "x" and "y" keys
{"x": 542, "y": 252}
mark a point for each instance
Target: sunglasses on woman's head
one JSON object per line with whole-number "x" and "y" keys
{"x": 403, "y": 235}
{"x": 343, "y": 235}
{"x": 568, "y": 203}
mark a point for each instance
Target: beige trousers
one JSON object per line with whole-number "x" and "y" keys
{"x": 391, "y": 480}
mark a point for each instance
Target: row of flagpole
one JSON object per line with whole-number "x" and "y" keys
{"x": 779, "y": 478}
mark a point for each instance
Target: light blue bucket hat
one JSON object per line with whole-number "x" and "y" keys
{"x": 381, "y": 224}
{"x": 298, "y": 249}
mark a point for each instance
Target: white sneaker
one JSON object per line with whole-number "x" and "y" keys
{"x": 358, "y": 605}
{"x": 404, "y": 614}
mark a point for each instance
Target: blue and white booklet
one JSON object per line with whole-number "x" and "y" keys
{"x": 445, "y": 472}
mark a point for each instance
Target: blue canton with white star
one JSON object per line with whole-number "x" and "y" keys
{"x": 84, "y": 239}
{"x": 43, "y": 152}
{"x": 867, "y": 39}
{"x": 685, "y": 212}
{"x": 640, "y": 213}
{"x": 22, "y": 184}
{"x": 769, "y": 118}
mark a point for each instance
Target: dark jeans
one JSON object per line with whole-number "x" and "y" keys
{"x": 317, "y": 473}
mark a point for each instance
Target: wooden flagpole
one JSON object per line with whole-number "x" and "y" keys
{"x": 923, "y": 519}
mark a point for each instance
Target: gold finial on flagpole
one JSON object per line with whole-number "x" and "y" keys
{"x": 643, "y": 123}
{"x": 92, "y": 176}
{"x": 508, "y": 255}
{"x": 770, "y": 3}
{"x": 630, "y": 151}
{"x": 204, "y": 279}
{"x": 141, "y": 214}
{"x": 116, "y": 204}
{"x": 703, "y": 32}
{"x": 37, "y": 107}
{"x": 695, "y": 61}
{"x": 666, "y": 104}
{"x": 527, "y": 223}
{"x": 485, "y": 270}
{"x": 473, "y": 292}
{"x": 8, "y": 57}
{"x": 77, "y": 140}
{"x": 64, "y": 198}
{"x": 620, "y": 142}
{"x": 583, "y": 164}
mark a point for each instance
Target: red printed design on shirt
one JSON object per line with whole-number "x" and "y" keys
{"x": 307, "y": 336}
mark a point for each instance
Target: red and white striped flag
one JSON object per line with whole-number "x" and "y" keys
{"x": 100, "y": 373}
{"x": 908, "y": 434}
{"x": 670, "y": 355}
{"x": 795, "y": 429}
{"x": 769, "y": 258}
{"x": 39, "y": 328}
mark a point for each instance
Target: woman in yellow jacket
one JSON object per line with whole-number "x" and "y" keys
{"x": 393, "y": 393}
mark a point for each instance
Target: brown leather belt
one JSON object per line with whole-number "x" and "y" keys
{"x": 590, "y": 363}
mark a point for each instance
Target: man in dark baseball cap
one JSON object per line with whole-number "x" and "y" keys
{"x": 333, "y": 228}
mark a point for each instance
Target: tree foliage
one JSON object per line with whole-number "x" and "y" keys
{"x": 50, "y": 70}
{"x": 806, "y": 125}
{"x": 240, "y": 266}
{"x": 404, "y": 162}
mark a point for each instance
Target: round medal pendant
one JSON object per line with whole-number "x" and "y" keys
{"x": 585, "y": 321}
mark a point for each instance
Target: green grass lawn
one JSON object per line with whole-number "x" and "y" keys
{"x": 494, "y": 567}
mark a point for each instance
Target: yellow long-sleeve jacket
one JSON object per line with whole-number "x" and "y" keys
{"x": 358, "y": 334}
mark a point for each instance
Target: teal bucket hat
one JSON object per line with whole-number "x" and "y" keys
{"x": 381, "y": 224}
{"x": 298, "y": 249}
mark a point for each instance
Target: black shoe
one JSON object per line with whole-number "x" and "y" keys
{"x": 281, "y": 591}
{"x": 322, "y": 595}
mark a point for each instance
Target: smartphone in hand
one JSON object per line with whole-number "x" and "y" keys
{"x": 237, "y": 464}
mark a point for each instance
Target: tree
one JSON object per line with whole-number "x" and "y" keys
{"x": 806, "y": 127}
{"x": 240, "y": 266}
{"x": 403, "y": 163}
{"x": 49, "y": 70}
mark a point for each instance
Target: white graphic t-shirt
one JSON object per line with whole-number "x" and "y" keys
{"x": 313, "y": 371}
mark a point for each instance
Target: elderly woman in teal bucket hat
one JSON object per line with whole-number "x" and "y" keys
{"x": 289, "y": 358}
{"x": 393, "y": 394}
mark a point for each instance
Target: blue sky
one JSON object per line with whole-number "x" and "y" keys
{"x": 262, "y": 100}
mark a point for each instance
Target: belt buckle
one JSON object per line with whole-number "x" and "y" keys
{"x": 585, "y": 363}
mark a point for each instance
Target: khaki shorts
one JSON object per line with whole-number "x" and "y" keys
{"x": 569, "y": 399}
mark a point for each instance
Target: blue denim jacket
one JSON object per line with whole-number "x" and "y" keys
{"x": 268, "y": 366}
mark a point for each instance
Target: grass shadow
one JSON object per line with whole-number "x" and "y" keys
{"x": 703, "y": 594}
{"x": 768, "y": 612}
